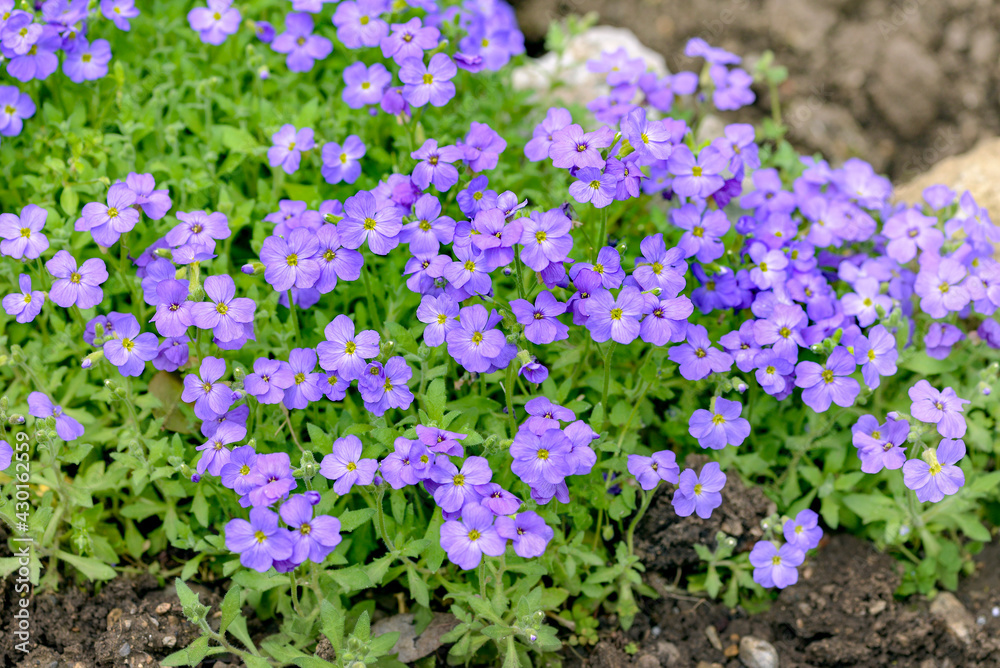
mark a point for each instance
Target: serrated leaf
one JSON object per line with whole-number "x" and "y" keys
{"x": 352, "y": 519}
{"x": 230, "y": 607}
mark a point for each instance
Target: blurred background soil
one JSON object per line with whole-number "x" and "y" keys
{"x": 900, "y": 83}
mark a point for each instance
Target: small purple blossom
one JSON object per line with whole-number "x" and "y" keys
{"x": 699, "y": 494}
{"x": 943, "y": 408}
{"x": 22, "y": 234}
{"x": 649, "y": 471}
{"x": 346, "y": 467}
{"x": 935, "y": 475}
{"x": 721, "y": 427}
{"x": 774, "y": 567}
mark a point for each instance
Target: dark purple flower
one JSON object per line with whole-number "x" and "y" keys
{"x": 528, "y": 531}
{"x": 386, "y": 387}
{"x": 534, "y": 372}
{"x": 541, "y": 323}
{"x": 172, "y": 354}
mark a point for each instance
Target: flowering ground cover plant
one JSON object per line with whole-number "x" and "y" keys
{"x": 309, "y": 295}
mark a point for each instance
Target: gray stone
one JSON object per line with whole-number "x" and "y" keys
{"x": 757, "y": 653}
{"x": 960, "y": 624}
{"x": 907, "y": 85}
{"x": 410, "y": 646}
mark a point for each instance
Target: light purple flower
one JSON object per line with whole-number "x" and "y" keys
{"x": 456, "y": 487}
{"x": 775, "y": 567}
{"x": 210, "y": 397}
{"x": 615, "y": 318}
{"x": 344, "y": 351}
{"x": 343, "y": 163}
{"x": 365, "y": 221}
{"x": 594, "y": 187}
{"x": 804, "y": 531}
{"x": 702, "y": 235}
{"x": 346, "y": 467}
{"x": 939, "y": 286}
{"x": 22, "y": 235}
{"x": 482, "y": 146}
{"x": 313, "y": 538}
{"x": 541, "y": 323}
{"x": 696, "y": 177}
{"x": 943, "y": 408}
{"x": 940, "y": 337}
{"x": 216, "y": 22}
{"x": 291, "y": 261}
{"x": 428, "y": 83}
{"x": 649, "y": 471}
{"x": 14, "y": 107}
{"x": 225, "y": 313}
{"x": 199, "y": 228}
{"x": 269, "y": 380}
{"x": 259, "y": 542}
{"x": 386, "y": 387}
{"x": 528, "y": 531}
{"x": 877, "y": 355}
{"x": 40, "y": 406}
{"x": 129, "y": 350}
{"x": 909, "y": 231}
{"x": 307, "y": 385}
{"x": 697, "y": 358}
{"x": 288, "y": 146}
{"x": 545, "y": 238}
{"x": 76, "y": 286}
{"x": 409, "y": 40}
{"x": 699, "y": 494}
{"x": 359, "y": 23}
{"x": 935, "y": 475}
{"x": 556, "y": 118}
{"x": 466, "y": 540}
{"x": 106, "y": 223}
{"x": 87, "y": 61}
{"x": 119, "y": 12}
{"x": 572, "y": 147}
{"x": 829, "y": 383}
{"x": 302, "y": 46}
{"x": 720, "y": 428}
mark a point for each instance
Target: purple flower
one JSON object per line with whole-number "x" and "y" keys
{"x": 534, "y": 372}
{"x": 541, "y": 458}
{"x": 199, "y": 228}
{"x": 108, "y": 222}
{"x": 699, "y": 494}
{"x": 783, "y": 329}
{"x": 173, "y": 310}
{"x": 430, "y": 229}
{"x": 667, "y": 321}
{"x": 313, "y": 538}
{"x": 215, "y": 23}
{"x": 498, "y": 500}
{"x": 701, "y": 238}
{"x": 456, "y": 488}
{"x": 908, "y": 231}
{"x": 214, "y": 453}
{"x": 306, "y": 383}
{"x": 530, "y": 533}
{"x": 697, "y": 358}
{"x": 594, "y": 187}
{"x": 466, "y": 540}
{"x": 440, "y": 314}
{"x": 649, "y": 471}
{"x": 650, "y": 139}
{"x": 76, "y": 286}
{"x": 6, "y": 455}
{"x": 879, "y": 446}
{"x": 608, "y": 267}
{"x": 386, "y": 387}
{"x": 940, "y": 338}
{"x": 409, "y": 40}
{"x": 804, "y": 531}
{"x": 303, "y": 47}
{"x": 482, "y": 146}
{"x": 615, "y": 318}
{"x": 237, "y": 473}
{"x": 935, "y": 475}
{"x": 775, "y": 567}
{"x": 364, "y": 221}
{"x": 130, "y": 350}
{"x": 22, "y": 235}
{"x": 365, "y": 85}
{"x": 408, "y": 463}
{"x": 268, "y": 382}
{"x": 659, "y": 267}
{"x": 572, "y": 147}
{"x": 259, "y": 542}
{"x": 696, "y": 177}
{"x": 877, "y": 355}
{"x": 265, "y": 31}
{"x": 39, "y": 61}
{"x": 358, "y": 23}
{"x": 272, "y": 479}
{"x": 742, "y": 345}
{"x": 771, "y": 265}
{"x": 865, "y": 301}
{"x": 210, "y": 397}
{"x": 545, "y": 238}
{"x": 697, "y": 47}
{"x": 475, "y": 197}
{"x": 943, "y": 408}
{"x": 721, "y": 427}
{"x": 40, "y": 406}
{"x": 14, "y": 106}
{"x": 288, "y": 146}
{"x": 828, "y": 383}
{"x": 541, "y": 324}
{"x": 435, "y": 165}
{"x": 345, "y": 465}
{"x": 474, "y": 343}
{"x": 345, "y": 352}
{"x": 87, "y": 61}
{"x": 343, "y": 163}
{"x": 441, "y": 441}
{"x": 291, "y": 261}
{"x": 938, "y": 285}
{"x": 225, "y": 314}
{"x": 545, "y": 415}
{"x": 428, "y": 83}
{"x": 772, "y": 371}
{"x": 556, "y": 118}
{"x": 172, "y": 354}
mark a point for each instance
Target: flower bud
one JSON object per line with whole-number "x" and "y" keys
{"x": 164, "y": 253}
{"x": 254, "y": 268}
{"x": 507, "y": 271}
{"x": 313, "y": 497}
{"x": 333, "y": 219}
{"x": 17, "y": 354}
{"x": 4, "y": 403}
{"x": 16, "y": 419}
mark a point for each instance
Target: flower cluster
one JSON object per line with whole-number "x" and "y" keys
{"x": 776, "y": 566}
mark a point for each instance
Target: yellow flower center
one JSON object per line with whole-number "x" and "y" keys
{"x": 718, "y": 419}
{"x": 697, "y": 489}
{"x": 112, "y": 212}
{"x": 698, "y": 231}
{"x": 540, "y": 236}
{"x": 474, "y": 535}
{"x": 128, "y": 344}
{"x": 244, "y": 470}
{"x": 543, "y": 454}
{"x": 458, "y": 480}
{"x": 75, "y": 278}
{"x": 442, "y": 318}
{"x": 260, "y": 536}
{"x": 696, "y": 171}
{"x": 300, "y": 378}
{"x": 827, "y": 376}
{"x": 221, "y": 308}
{"x": 616, "y": 314}
{"x": 292, "y": 260}
{"x": 351, "y": 466}
{"x": 428, "y": 78}
{"x": 477, "y": 338}
{"x": 370, "y": 224}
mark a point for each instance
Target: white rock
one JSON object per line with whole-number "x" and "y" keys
{"x": 950, "y": 610}
{"x": 757, "y": 653}
{"x": 576, "y": 83}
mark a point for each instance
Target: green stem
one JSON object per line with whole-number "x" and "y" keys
{"x": 372, "y": 311}
{"x": 602, "y": 239}
{"x": 775, "y": 102}
{"x": 293, "y": 318}
{"x": 607, "y": 380}
{"x": 647, "y": 498}
{"x": 381, "y": 518}
{"x": 509, "y": 393}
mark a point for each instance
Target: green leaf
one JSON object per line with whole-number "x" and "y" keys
{"x": 352, "y": 519}
{"x": 363, "y": 628}
{"x": 69, "y": 200}
{"x": 191, "y": 655}
{"x": 230, "y": 607}
{"x": 872, "y": 507}
{"x": 417, "y": 586}
{"x": 972, "y": 528}
{"x": 435, "y": 400}
{"x": 383, "y": 644}
{"x": 90, "y": 567}
{"x": 259, "y": 581}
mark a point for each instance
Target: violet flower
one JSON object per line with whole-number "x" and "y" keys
{"x": 76, "y": 286}
{"x": 346, "y": 467}
{"x": 23, "y": 238}
{"x": 721, "y": 427}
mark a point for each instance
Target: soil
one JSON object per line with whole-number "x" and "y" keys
{"x": 900, "y": 83}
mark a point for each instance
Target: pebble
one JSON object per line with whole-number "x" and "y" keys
{"x": 947, "y": 608}
{"x": 713, "y": 637}
{"x": 877, "y": 607}
{"x": 757, "y": 653}
{"x": 169, "y": 641}
{"x": 731, "y": 651}
{"x": 125, "y": 650}
{"x": 656, "y": 631}
{"x": 995, "y": 611}
{"x": 706, "y": 664}
{"x": 162, "y": 608}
